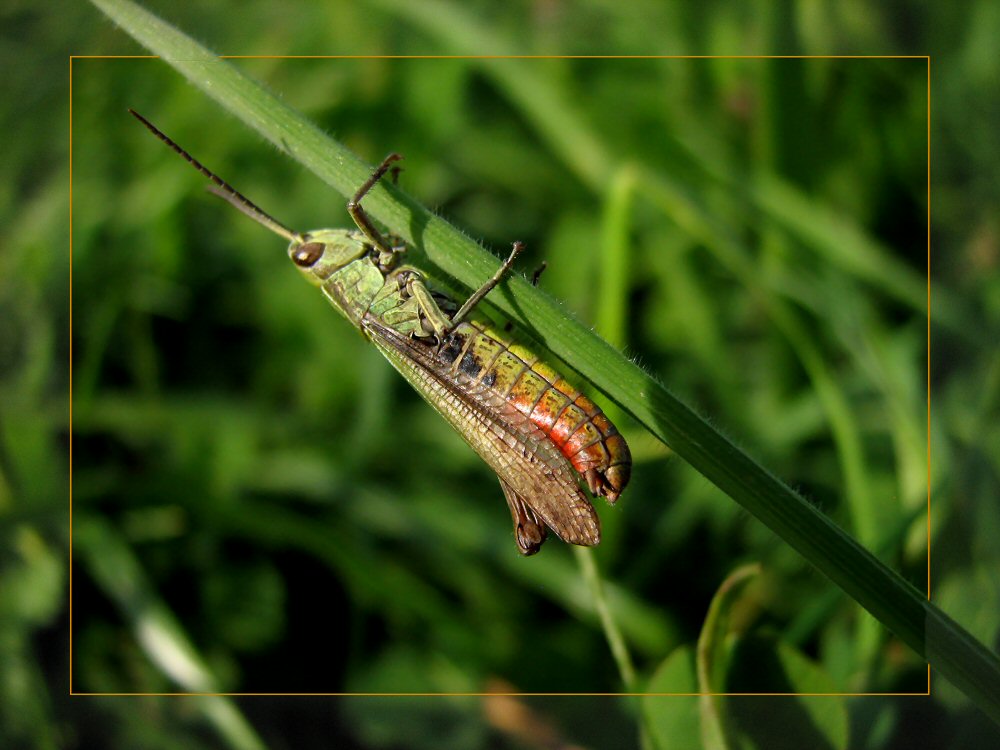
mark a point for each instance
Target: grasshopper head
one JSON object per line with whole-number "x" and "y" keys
{"x": 320, "y": 253}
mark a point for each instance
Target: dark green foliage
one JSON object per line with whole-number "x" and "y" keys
{"x": 251, "y": 479}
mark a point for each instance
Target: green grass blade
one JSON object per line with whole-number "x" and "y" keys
{"x": 898, "y": 605}
{"x": 110, "y": 561}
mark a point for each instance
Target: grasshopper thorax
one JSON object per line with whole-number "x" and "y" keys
{"x": 323, "y": 252}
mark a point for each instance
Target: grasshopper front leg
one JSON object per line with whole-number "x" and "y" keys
{"x": 359, "y": 214}
{"x": 388, "y": 247}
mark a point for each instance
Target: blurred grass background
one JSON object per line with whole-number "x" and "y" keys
{"x": 254, "y": 486}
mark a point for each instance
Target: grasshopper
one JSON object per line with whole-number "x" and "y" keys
{"x": 529, "y": 424}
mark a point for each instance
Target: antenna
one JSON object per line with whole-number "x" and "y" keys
{"x": 222, "y": 188}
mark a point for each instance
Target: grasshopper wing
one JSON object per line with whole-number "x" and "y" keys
{"x": 531, "y": 468}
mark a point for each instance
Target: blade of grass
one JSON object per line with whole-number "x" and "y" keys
{"x": 904, "y": 610}
{"x": 111, "y": 564}
{"x": 712, "y": 656}
{"x": 611, "y": 314}
{"x": 626, "y": 670}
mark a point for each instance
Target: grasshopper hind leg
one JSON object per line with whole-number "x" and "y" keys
{"x": 529, "y": 529}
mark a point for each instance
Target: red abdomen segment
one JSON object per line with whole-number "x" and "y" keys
{"x": 574, "y": 423}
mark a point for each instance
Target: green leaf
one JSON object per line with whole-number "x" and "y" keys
{"x": 800, "y": 719}
{"x": 672, "y": 719}
{"x": 742, "y": 664}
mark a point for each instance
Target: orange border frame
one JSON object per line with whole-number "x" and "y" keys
{"x": 515, "y": 57}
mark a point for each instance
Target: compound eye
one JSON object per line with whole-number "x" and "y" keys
{"x": 307, "y": 254}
